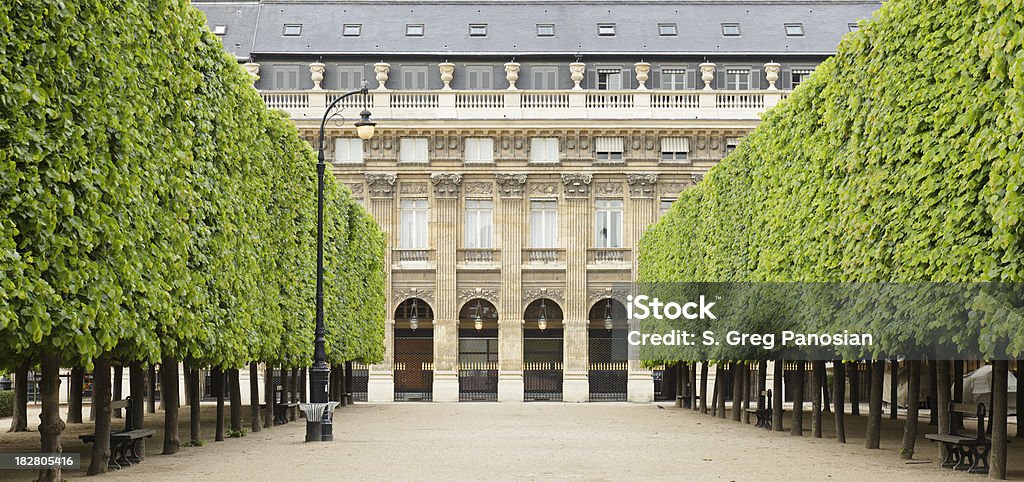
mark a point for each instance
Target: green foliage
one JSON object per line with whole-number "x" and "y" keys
{"x": 6, "y": 403}
{"x": 237, "y": 433}
{"x": 899, "y": 160}
{"x": 150, "y": 204}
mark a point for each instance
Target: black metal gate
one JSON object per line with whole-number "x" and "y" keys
{"x": 360, "y": 381}
{"x": 608, "y": 371}
{"x": 478, "y": 365}
{"x": 542, "y": 365}
{"x": 414, "y": 365}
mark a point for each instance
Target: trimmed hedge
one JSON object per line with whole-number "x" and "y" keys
{"x": 899, "y": 160}
{"x": 150, "y": 204}
{"x": 6, "y": 403}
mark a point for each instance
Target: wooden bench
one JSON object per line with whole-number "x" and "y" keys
{"x": 764, "y": 415}
{"x": 965, "y": 451}
{"x": 127, "y": 446}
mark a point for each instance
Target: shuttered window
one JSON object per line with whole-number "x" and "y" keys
{"x": 675, "y": 148}
{"x": 608, "y": 148}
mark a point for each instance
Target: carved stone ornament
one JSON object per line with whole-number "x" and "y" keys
{"x": 487, "y": 294}
{"x": 697, "y": 178}
{"x": 673, "y": 188}
{"x": 641, "y": 185}
{"x": 510, "y": 185}
{"x": 531, "y": 295}
{"x": 380, "y": 70}
{"x": 412, "y": 187}
{"x": 617, "y": 294}
{"x": 402, "y": 294}
{"x": 446, "y": 184}
{"x": 544, "y": 188}
{"x": 355, "y": 187}
{"x": 577, "y": 185}
{"x": 380, "y": 184}
{"x": 608, "y": 188}
{"x": 479, "y": 188}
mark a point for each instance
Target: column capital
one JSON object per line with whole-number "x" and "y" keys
{"x": 577, "y": 184}
{"x": 446, "y": 184}
{"x": 381, "y": 185}
{"x": 641, "y": 186}
{"x": 510, "y": 185}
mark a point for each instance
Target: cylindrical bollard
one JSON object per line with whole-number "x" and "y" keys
{"x": 312, "y": 431}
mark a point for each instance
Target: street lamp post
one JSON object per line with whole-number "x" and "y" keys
{"x": 320, "y": 371}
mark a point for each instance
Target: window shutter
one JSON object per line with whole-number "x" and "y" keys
{"x": 675, "y": 144}
{"x": 608, "y": 144}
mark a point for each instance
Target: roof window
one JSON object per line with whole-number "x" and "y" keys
{"x": 414, "y": 30}
{"x": 667, "y": 30}
{"x": 731, "y": 29}
{"x": 292, "y": 29}
{"x": 352, "y": 29}
{"x": 794, "y": 30}
{"x": 606, "y": 29}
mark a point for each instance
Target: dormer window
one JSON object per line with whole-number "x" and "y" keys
{"x": 220, "y": 30}
{"x": 292, "y": 30}
{"x": 606, "y": 29}
{"x": 414, "y": 30}
{"x": 478, "y": 30}
{"x": 545, "y": 30}
{"x": 731, "y": 29}
{"x": 352, "y": 30}
{"x": 794, "y": 30}
{"x": 853, "y": 27}
{"x": 668, "y": 30}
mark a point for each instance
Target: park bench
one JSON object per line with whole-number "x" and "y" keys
{"x": 280, "y": 406}
{"x": 127, "y": 446}
{"x": 763, "y": 415}
{"x": 965, "y": 451}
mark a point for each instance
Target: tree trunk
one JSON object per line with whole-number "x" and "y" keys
{"x": 348, "y": 383}
{"x": 714, "y": 393}
{"x": 720, "y": 375}
{"x": 195, "y": 435}
{"x": 50, "y": 424}
{"x": 268, "y": 395}
{"x": 838, "y": 399}
{"x": 151, "y": 388}
{"x": 854, "y": 374}
{"x": 704, "y": 387}
{"x": 254, "y": 396}
{"x": 169, "y": 399}
{"x": 293, "y": 394}
{"x": 746, "y": 393}
{"x": 798, "y": 399}
{"x": 188, "y": 381}
{"x": 101, "y": 399}
{"x": 762, "y": 382}
{"x": 118, "y": 388}
{"x": 999, "y": 410}
{"x": 137, "y": 389}
{"x": 217, "y": 379}
{"x": 1020, "y": 397}
{"x": 680, "y": 372}
{"x": 874, "y": 429}
{"x": 337, "y": 384}
{"x": 75, "y": 395}
{"x": 894, "y": 383}
{"x": 691, "y": 393}
{"x": 958, "y": 392}
{"x": 302, "y": 385}
{"x": 737, "y": 391}
{"x": 778, "y": 396}
{"x": 234, "y": 386}
{"x": 817, "y": 382}
{"x": 933, "y": 395}
{"x": 913, "y": 409}
{"x": 19, "y": 420}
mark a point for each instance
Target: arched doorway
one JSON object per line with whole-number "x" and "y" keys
{"x": 542, "y": 351}
{"x": 478, "y": 351}
{"x": 608, "y": 351}
{"x": 414, "y": 351}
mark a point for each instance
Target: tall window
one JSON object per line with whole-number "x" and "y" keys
{"x": 608, "y": 223}
{"x": 675, "y": 149}
{"x": 798, "y": 76}
{"x": 673, "y": 79}
{"x": 414, "y": 77}
{"x": 544, "y": 77}
{"x": 413, "y": 230}
{"x": 664, "y": 205}
{"x": 608, "y": 148}
{"x": 543, "y": 224}
{"x": 737, "y": 79}
{"x": 544, "y": 149}
{"x": 479, "y": 149}
{"x": 413, "y": 149}
{"x": 348, "y": 150}
{"x": 350, "y": 77}
{"x": 479, "y": 223}
{"x": 609, "y": 79}
{"x": 479, "y": 77}
{"x": 286, "y": 77}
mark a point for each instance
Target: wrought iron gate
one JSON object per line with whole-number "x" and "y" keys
{"x": 414, "y": 365}
{"x": 608, "y": 371}
{"x": 542, "y": 365}
{"x": 360, "y": 381}
{"x": 478, "y": 366}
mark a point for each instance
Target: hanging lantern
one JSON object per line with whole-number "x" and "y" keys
{"x": 414, "y": 321}
{"x": 478, "y": 320}
{"x": 542, "y": 318}
{"x": 608, "y": 316}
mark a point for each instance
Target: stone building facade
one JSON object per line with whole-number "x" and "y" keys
{"x": 521, "y": 150}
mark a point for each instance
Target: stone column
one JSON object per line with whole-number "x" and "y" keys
{"x": 444, "y": 216}
{"x": 511, "y": 233}
{"x": 575, "y": 229}
{"x": 381, "y": 384}
{"x": 643, "y": 211}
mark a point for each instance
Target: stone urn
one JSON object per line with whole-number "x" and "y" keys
{"x": 707, "y": 74}
{"x": 512, "y": 74}
{"x": 643, "y": 72}
{"x": 576, "y": 74}
{"x": 382, "y": 69}
{"x": 447, "y": 73}
{"x": 771, "y": 72}
{"x": 316, "y": 72}
{"x": 254, "y": 71}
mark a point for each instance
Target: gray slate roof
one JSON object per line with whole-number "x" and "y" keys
{"x": 256, "y": 28}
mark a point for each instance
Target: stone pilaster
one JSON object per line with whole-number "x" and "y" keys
{"x": 511, "y": 215}
{"x": 381, "y": 383}
{"x": 643, "y": 211}
{"x": 575, "y": 229}
{"x": 445, "y": 222}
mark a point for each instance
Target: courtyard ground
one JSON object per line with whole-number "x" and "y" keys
{"x": 475, "y": 441}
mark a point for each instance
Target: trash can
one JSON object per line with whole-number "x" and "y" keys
{"x": 314, "y": 413}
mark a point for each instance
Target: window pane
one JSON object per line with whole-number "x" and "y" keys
{"x": 414, "y": 30}
{"x": 545, "y": 30}
{"x": 543, "y": 224}
{"x": 413, "y": 149}
{"x": 544, "y": 149}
